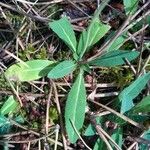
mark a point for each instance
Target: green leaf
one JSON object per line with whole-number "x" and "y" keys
{"x": 94, "y": 33}
{"x": 137, "y": 117}
{"x": 75, "y": 107}
{"x": 143, "y": 106}
{"x": 3, "y": 121}
{"x": 114, "y": 58}
{"x": 62, "y": 69}
{"x": 19, "y": 119}
{"x": 130, "y": 6}
{"x": 5, "y": 125}
{"x": 65, "y": 31}
{"x": 33, "y": 70}
{"x": 9, "y": 106}
{"x": 100, "y": 8}
{"x": 86, "y": 68}
{"x": 6, "y": 146}
{"x": 117, "y": 136}
{"x": 136, "y": 27}
{"x": 146, "y": 136}
{"x": 100, "y": 145}
{"x": 128, "y": 94}
{"x": 90, "y": 131}
{"x": 117, "y": 43}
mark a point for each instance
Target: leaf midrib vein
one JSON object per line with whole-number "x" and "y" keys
{"x": 78, "y": 91}
{"x": 72, "y": 66}
{"x": 72, "y": 45}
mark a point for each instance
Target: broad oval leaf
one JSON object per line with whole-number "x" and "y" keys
{"x": 33, "y": 70}
{"x": 114, "y": 58}
{"x": 143, "y": 106}
{"x": 128, "y": 94}
{"x": 65, "y": 31}
{"x": 130, "y": 6}
{"x": 9, "y": 106}
{"x": 75, "y": 108}
{"x": 92, "y": 35}
{"x": 62, "y": 69}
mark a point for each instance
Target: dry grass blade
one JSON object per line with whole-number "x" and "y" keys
{"x": 101, "y": 135}
{"x": 109, "y": 42}
{"x": 133, "y": 145}
{"x": 119, "y": 115}
{"x": 80, "y": 136}
{"x": 15, "y": 57}
{"x": 111, "y": 140}
{"x": 31, "y": 141}
{"x": 144, "y": 66}
{"x": 14, "y": 91}
{"x": 60, "y": 114}
{"x": 47, "y": 111}
{"x": 101, "y": 132}
{"x": 40, "y": 3}
{"x": 41, "y": 19}
{"x": 56, "y": 136}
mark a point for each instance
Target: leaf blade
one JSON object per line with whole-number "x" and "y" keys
{"x": 34, "y": 70}
{"x": 62, "y": 69}
{"x": 75, "y": 107}
{"x": 9, "y": 106}
{"x": 128, "y": 94}
{"x": 90, "y": 131}
{"x": 99, "y": 145}
{"x": 117, "y": 43}
{"x": 117, "y": 136}
{"x": 143, "y": 106}
{"x": 91, "y": 36}
{"x": 64, "y": 31}
{"x": 98, "y": 32}
{"x": 114, "y": 58}
{"x": 146, "y": 136}
{"x": 130, "y": 6}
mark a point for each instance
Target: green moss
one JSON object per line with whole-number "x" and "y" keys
{"x": 42, "y": 54}
{"x": 51, "y": 11}
{"x": 30, "y": 53}
{"x": 121, "y": 76}
{"x": 53, "y": 114}
{"x": 15, "y": 19}
{"x": 3, "y": 83}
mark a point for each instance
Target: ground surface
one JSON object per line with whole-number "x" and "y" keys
{"x": 40, "y": 122}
